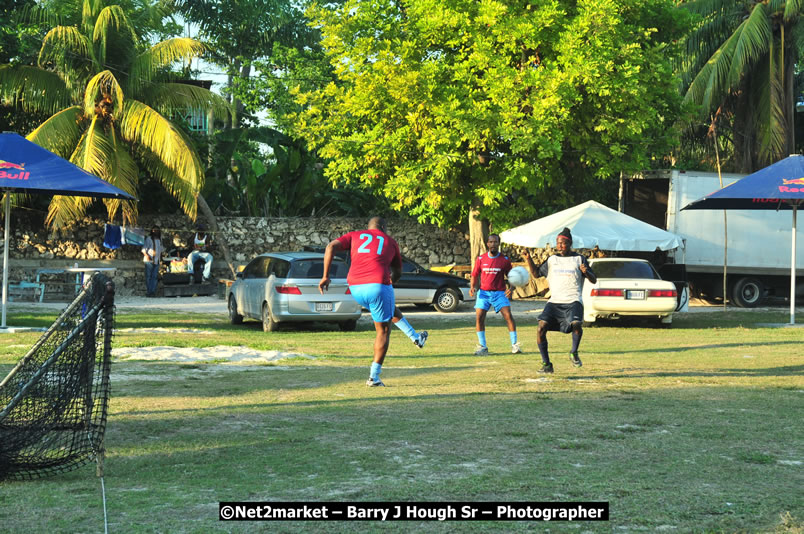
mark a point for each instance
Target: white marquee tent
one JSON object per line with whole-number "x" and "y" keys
{"x": 593, "y": 224}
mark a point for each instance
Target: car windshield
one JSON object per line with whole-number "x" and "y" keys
{"x": 314, "y": 268}
{"x": 409, "y": 267}
{"x": 624, "y": 269}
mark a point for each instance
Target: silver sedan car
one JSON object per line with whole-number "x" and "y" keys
{"x": 282, "y": 287}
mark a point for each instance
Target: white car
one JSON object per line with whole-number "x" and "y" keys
{"x": 628, "y": 287}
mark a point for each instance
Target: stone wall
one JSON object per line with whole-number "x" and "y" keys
{"x": 34, "y": 247}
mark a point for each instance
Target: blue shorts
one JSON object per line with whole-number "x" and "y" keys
{"x": 376, "y": 298}
{"x": 487, "y": 299}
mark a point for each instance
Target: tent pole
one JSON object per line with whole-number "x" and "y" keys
{"x": 725, "y": 215}
{"x": 7, "y": 210}
{"x": 793, "y": 272}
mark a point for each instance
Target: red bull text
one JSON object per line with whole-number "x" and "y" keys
{"x": 21, "y": 175}
{"x": 795, "y": 181}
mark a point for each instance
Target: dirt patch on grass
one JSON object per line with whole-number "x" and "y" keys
{"x": 220, "y": 354}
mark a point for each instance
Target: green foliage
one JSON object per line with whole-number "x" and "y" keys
{"x": 245, "y": 33}
{"x": 110, "y": 94}
{"x": 502, "y": 105}
{"x": 19, "y": 40}
{"x": 153, "y": 19}
{"x": 241, "y": 28}
{"x": 289, "y": 70}
{"x": 739, "y": 66}
{"x": 19, "y": 44}
{"x": 272, "y": 175}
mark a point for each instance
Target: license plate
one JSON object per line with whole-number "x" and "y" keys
{"x": 635, "y": 294}
{"x": 323, "y": 306}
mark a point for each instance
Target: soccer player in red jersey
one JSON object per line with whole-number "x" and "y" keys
{"x": 489, "y": 274}
{"x": 375, "y": 264}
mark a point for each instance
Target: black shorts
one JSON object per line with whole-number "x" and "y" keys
{"x": 561, "y": 316}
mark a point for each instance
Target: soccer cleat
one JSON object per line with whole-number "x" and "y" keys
{"x": 546, "y": 368}
{"x": 374, "y": 383}
{"x": 421, "y": 340}
{"x": 576, "y": 361}
{"x": 516, "y": 349}
{"x": 480, "y": 350}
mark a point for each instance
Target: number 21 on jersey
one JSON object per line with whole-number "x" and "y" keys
{"x": 366, "y": 246}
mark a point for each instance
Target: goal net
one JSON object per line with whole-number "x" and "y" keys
{"x": 54, "y": 402}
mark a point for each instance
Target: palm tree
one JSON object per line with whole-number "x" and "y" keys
{"x": 111, "y": 95}
{"x": 740, "y": 62}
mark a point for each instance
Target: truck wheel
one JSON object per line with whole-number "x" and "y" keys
{"x": 748, "y": 292}
{"x": 447, "y": 300}
{"x": 268, "y": 324}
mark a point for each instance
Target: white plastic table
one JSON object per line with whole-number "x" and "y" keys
{"x": 80, "y": 272}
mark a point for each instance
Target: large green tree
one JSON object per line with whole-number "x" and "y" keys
{"x": 490, "y": 110}
{"x": 740, "y": 68}
{"x": 19, "y": 43}
{"x": 111, "y": 95}
{"x": 240, "y": 32}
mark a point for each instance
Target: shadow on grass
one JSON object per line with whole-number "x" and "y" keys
{"x": 789, "y": 370}
{"x": 186, "y": 380}
{"x": 250, "y": 326}
{"x": 696, "y": 321}
{"x": 354, "y": 402}
{"x": 649, "y": 457}
{"x": 699, "y": 347}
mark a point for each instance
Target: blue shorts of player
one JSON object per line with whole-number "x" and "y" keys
{"x": 487, "y": 299}
{"x": 561, "y": 316}
{"x": 376, "y": 298}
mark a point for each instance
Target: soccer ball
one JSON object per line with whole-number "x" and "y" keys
{"x": 518, "y": 277}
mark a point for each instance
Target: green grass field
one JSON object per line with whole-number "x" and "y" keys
{"x": 698, "y": 428}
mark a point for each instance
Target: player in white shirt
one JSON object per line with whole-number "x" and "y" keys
{"x": 565, "y": 272}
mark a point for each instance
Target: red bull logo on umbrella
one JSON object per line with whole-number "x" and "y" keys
{"x": 795, "y": 181}
{"x": 21, "y": 174}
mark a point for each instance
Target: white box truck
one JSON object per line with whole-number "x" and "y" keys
{"x": 759, "y": 241}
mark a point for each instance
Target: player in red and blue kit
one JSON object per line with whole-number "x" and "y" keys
{"x": 375, "y": 264}
{"x": 489, "y": 274}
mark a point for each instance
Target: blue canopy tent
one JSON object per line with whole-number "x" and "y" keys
{"x": 779, "y": 186}
{"x": 27, "y": 168}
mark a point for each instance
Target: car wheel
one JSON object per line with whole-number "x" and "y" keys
{"x": 268, "y": 324}
{"x": 348, "y": 326}
{"x": 447, "y": 300}
{"x": 664, "y": 323}
{"x": 748, "y": 292}
{"x": 234, "y": 317}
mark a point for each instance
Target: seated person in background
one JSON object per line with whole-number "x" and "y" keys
{"x": 201, "y": 242}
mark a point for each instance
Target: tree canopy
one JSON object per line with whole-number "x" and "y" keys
{"x": 499, "y": 107}
{"x": 110, "y": 95}
{"x": 739, "y": 66}
{"x": 241, "y": 33}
